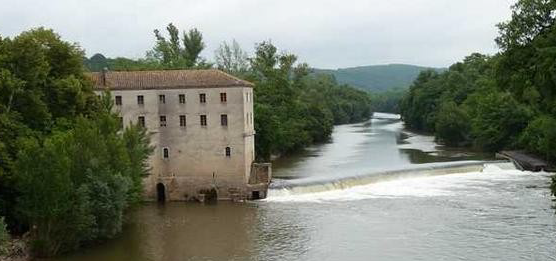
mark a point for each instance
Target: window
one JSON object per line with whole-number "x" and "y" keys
{"x": 161, "y": 99}
{"x": 203, "y": 120}
{"x": 140, "y": 100}
{"x": 223, "y": 97}
{"x": 141, "y": 121}
{"x": 182, "y": 98}
{"x": 228, "y": 152}
{"x": 224, "y": 120}
{"x": 202, "y": 98}
{"x": 165, "y": 153}
{"x": 118, "y": 100}
{"x": 182, "y": 120}
{"x": 162, "y": 121}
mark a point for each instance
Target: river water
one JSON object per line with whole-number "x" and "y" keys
{"x": 365, "y": 195}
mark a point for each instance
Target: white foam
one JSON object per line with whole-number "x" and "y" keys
{"x": 419, "y": 142}
{"x": 428, "y": 186}
{"x": 383, "y": 115}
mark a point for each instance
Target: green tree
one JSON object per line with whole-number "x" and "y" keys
{"x": 452, "y": 124}
{"x": 529, "y": 19}
{"x": 540, "y": 137}
{"x": 41, "y": 82}
{"x": 57, "y": 209}
{"x": 176, "y": 53}
{"x": 67, "y": 172}
{"x": 497, "y": 120}
{"x": 294, "y": 108}
{"x": 232, "y": 59}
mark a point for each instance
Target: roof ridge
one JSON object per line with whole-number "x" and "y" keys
{"x": 160, "y": 79}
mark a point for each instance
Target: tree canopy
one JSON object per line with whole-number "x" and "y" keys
{"x": 67, "y": 170}
{"x": 495, "y": 102}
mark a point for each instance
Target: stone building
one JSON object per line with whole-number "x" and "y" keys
{"x": 201, "y": 125}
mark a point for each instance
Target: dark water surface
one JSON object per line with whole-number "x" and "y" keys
{"x": 495, "y": 214}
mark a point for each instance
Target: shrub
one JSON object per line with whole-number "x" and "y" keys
{"x": 540, "y": 137}
{"x": 452, "y": 124}
{"x": 497, "y": 120}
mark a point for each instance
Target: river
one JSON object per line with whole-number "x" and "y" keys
{"x": 318, "y": 211}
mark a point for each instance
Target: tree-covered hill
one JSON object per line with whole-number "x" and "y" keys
{"x": 377, "y": 77}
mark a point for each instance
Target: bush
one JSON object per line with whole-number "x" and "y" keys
{"x": 540, "y": 137}
{"x": 76, "y": 184}
{"x": 452, "y": 124}
{"x": 497, "y": 120}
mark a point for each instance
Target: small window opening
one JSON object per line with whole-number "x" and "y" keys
{"x": 228, "y": 152}
{"x": 162, "y": 121}
{"x": 202, "y": 98}
{"x": 141, "y": 121}
{"x": 182, "y": 121}
{"x": 162, "y": 99}
{"x": 203, "y": 120}
{"x": 140, "y": 100}
{"x": 182, "y": 98}
{"x": 165, "y": 153}
{"x": 118, "y": 100}
{"x": 224, "y": 120}
{"x": 223, "y": 97}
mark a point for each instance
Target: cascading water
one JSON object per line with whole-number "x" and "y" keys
{"x": 282, "y": 189}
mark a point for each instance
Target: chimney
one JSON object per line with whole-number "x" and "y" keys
{"x": 103, "y": 75}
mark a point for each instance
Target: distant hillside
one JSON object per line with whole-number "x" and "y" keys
{"x": 377, "y": 77}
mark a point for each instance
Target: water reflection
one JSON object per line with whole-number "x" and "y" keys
{"x": 379, "y": 144}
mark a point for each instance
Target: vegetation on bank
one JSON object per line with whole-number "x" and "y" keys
{"x": 293, "y": 108}
{"x": 67, "y": 169}
{"x": 388, "y": 100}
{"x": 496, "y": 102}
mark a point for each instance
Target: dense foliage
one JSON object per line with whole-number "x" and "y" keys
{"x": 294, "y": 109}
{"x": 504, "y": 101}
{"x": 388, "y": 100}
{"x": 67, "y": 170}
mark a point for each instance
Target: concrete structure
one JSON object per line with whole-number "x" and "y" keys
{"x": 201, "y": 125}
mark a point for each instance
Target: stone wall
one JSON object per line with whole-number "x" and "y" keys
{"x": 196, "y": 154}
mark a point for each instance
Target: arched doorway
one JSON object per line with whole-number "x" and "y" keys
{"x": 160, "y": 192}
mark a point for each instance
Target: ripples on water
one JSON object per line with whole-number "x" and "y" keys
{"x": 493, "y": 214}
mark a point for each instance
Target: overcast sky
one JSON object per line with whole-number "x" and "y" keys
{"x": 324, "y": 33}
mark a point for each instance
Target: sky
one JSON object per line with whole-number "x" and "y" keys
{"x": 323, "y": 33}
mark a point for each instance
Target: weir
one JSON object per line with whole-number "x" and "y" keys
{"x": 305, "y": 186}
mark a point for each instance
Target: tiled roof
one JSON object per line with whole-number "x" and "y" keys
{"x": 167, "y": 79}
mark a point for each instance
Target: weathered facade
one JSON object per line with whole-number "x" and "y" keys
{"x": 202, "y": 128}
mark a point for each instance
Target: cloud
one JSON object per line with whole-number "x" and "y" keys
{"x": 324, "y": 33}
